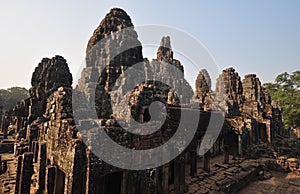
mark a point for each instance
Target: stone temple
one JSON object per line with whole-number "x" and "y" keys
{"x": 47, "y": 148}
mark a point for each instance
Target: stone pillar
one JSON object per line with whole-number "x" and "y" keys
{"x": 19, "y": 123}
{"x": 124, "y": 183}
{"x": 165, "y": 178}
{"x": 4, "y": 125}
{"x": 226, "y": 154}
{"x": 216, "y": 147}
{"x": 42, "y": 167}
{"x": 32, "y": 149}
{"x": 250, "y": 136}
{"x": 179, "y": 174}
{"x": 221, "y": 147}
{"x": 36, "y": 152}
{"x": 207, "y": 157}
{"x": 26, "y": 173}
{"x": 18, "y": 174}
{"x": 15, "y": 149}
{"x": 88, "y": 169}
{"x": 159, "y": 180}
{"x": 257, "y": 134}
{"x": 240, "y": 151}
{"x": 193, "y": 166}
{"x": 268, "y": 130}
{"x": 5, "y": 134}
{"x": 1, "y": 113}
{"x": 1, "y": 164}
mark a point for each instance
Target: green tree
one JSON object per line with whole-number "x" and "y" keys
{"x": 296, "y": 79}
{"x": 10, "y": 97}
{"x": 286, "y": 90}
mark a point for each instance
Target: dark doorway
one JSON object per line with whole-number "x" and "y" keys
{"x": 108, "y": 184}
{"x": 254, "y": 135}
{"x": 51, "y": 179}
{"x": 56, "y": 181}
{"x": 146, "y": 115}
{"x": 231, "y": 140}
{"x": 262, "y": 132}
{"x": 98, "y": 184}
{"x": 113, "y": 183}
{"x": 59, "y": 181}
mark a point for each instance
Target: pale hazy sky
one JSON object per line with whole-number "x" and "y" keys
{"x": 256, "y": 36}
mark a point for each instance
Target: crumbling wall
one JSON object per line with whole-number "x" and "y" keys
{"x": 65, "y": 159}
{"x": 64, "y": 149}
{"x": 30, "y": 119}
{"x": 140, "y": 97}
{"x": 250, "y": 111}
{"x": 174, "y": 78}
{"x": 257, "y": 104}
{"x": 229, "y": 92}
{"x": 47, "y": 77}
{"x": 107, "y": 56}
{"x": 254, "y": 98}
{"x": 203, "y": 90}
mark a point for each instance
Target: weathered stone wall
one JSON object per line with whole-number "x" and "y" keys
{"x": 108, "y": 63}
{"x": 16, "y": 119}
{"x": 203, "y": 90}
{"x": 47, "y": 77}
{"x": 257, "y": 105}
{"x": 140, "y": 98}
{"x": 28, "y": 119}
{"x": 64, "y": 150}
{"x": 240, "y": 129}
{"x": 254, "y": 103}
{"x": 229, "y": 92}
{"x": 251, "y": 114}
{"x": 160, "y": 68}
{"x": 107, "y": 56}
{"x": 65, "y": 159}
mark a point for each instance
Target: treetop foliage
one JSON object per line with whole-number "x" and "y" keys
{"x": 286, "y": 90}
{"x": 11, "y": 96}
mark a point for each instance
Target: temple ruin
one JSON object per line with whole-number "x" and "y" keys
{"x": 44, "y": 149}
